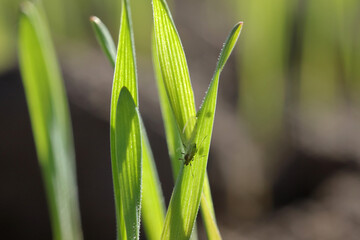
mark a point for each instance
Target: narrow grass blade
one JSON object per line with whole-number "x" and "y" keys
{"x": 124, "y": 75}
{"x": 320, "y": 89}
{"x": 104, "y": 38}
{"x": 209, "y": 220}
{"x": 204, "y": 128}
{"x": 50, "y": 121}
{"x": 185, "y": 200}
{"x": 262, "y": 93}
{"x": 153, "y": 207}
{"x": 173, "y": 139}
{"x": 128, "y": 157}
{"x": 167, "y": 70}
{"x": 208, "y": 212}
{"x": 125, "y": 68}
{"x": 174, "y": 69}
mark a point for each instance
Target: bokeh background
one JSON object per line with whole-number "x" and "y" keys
{"x": 285, "y": 153}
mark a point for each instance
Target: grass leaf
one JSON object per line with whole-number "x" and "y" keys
{"x": 266, "y": 46}
{"x": 186, "y": 196}
{"x": 153, "y": 207}
{"x": 174, "y": 69}
{"x": 50, "y": 121}
{"x": 173, "y": 139}
{"x": 205, "y": 123}
{"x": 124, "y": 75}
{"x": 208, "y": 212}
{"x": 104, "y": 38}
{"x": 167, "y": 71}
{"x": 125, "y": 67}
{"x": 129, "y": 161}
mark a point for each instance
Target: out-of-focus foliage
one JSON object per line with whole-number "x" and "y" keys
{"x": 328, "y": 66}
{"x": 50, "y": 120}
{"x": 263, "y": 65}
{"x": 69, "y": 24}
{"x": 297, "y": 55}
{"x": 8, "y": 21}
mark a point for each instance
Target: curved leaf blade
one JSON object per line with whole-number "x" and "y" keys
{"x": 104, "y": 38}
{"x": 206, "y": 116}
{"x": 124, "y": 76}
{"x": 174, "y": 69}
{"x": 152, "y": 202}
{"x": 50, "y": 119}
{"x": 153, "y": 206}
{"x": 173, "y": 138}
{"x": 185, "y": 200}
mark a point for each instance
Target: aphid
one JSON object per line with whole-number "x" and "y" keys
{"x": 190, "y": 148}
{"x": 190, "y": 152}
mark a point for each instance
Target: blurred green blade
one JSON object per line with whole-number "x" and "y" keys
{"x": 104, "y": 38}
{"x": 320, "y": 90}
{"x": 211, "y": 227}
{"x": 208, "y": 212}
{"x": 174, "y": 69}
{"x": 263, "y": 63}
{"x": 50, "y": 121}
{"x": 128, "y": 157}
{"x": 153, "y": 207}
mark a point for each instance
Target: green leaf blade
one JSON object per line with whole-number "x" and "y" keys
{"x": 174, "y": 68}
{"x": 104, "y": 38}
{"x": 124, "y": 76}
{"x": 129, "y": 161}
{"x": 167, "y": 40}
{"x": 153, "y": 207}
{"x": 185, "y": 200}
{"x": 50, "y": 119}
{"x": 125, "y": 67}
{"x": 206, "y": 116}
{"x": 173, "y": 138}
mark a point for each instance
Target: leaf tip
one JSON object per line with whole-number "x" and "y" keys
{"x": 94, "y": 19}
{"x": 239, "y": 25}
{"x": 25, "y": 7}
